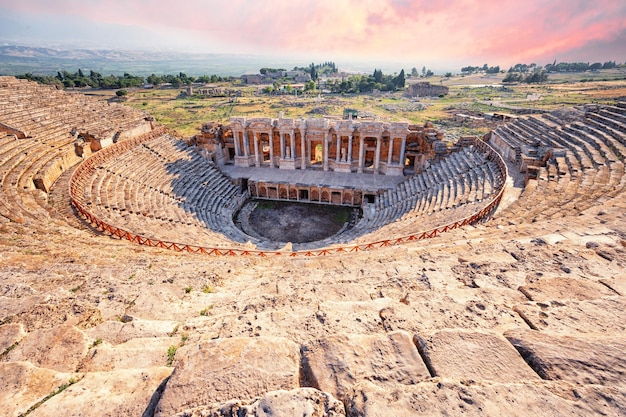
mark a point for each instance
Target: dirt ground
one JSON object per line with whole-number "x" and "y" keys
{"x": 297, "y": 222}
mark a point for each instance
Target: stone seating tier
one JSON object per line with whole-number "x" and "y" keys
{"x": 164, "y": 180}
{"x": 47, "y": 116}
{"x": 591, "y": 166}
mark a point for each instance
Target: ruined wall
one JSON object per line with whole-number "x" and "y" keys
{"x": 425, "y": 89}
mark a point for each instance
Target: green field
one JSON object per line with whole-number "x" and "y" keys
{"x": 474, "y": 93}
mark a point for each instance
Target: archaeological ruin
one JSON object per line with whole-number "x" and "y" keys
{"x": 476, "y": 276}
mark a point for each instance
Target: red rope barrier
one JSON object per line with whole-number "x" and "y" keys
{"x": 89, "y": 165}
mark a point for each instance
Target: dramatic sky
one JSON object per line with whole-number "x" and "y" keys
{"x": 439, "y": 33}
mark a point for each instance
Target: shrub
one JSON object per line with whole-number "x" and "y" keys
{"x": 171, "y": 353}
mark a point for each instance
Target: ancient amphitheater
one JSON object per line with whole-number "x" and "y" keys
{"x": 483, "y": 278}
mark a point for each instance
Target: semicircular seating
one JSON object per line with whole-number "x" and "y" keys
{"x": 579, "y": 160}
{"x": 37, "y": 140}
{"x": 159, "y": 187}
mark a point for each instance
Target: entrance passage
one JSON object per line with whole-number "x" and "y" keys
{"x": 282, "y": 221}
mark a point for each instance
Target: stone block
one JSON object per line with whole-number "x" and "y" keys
{"x": 297, "y": 402}
{"x": 107, "y": 394}
{"x": 10, "y": 334}
{"x": 336, "y": 363}
{"x": 60, "y": 348}
{"x": 602, "y": 315}
{"x": 22, "y": 385}
{"x": 475, "y": 356}
{"x": 616, "y": 283}
{"x": 213, "y": 371}
{"x": 558, "y": 289}
{"x": 448, "y": 398}
{"x": 136, "y": 353}
{"x": 116, "y": 332}
{"x": 597, "y": 359}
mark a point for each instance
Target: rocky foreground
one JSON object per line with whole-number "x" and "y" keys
{"x": 522, "y": 315}
{"x": 518, "y": 319}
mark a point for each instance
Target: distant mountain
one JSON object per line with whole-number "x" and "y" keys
{"x": 18, "y": 51}
{"x": 18, "y": 59}
{"x": 21, "y": 59}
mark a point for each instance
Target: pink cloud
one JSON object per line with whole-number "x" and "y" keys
{"x": 428, "y": 30}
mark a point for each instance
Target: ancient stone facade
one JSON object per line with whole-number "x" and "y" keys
{"x": 425, "y": 89}
{"x": 324, "y": 144}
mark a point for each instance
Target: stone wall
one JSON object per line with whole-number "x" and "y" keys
{"x": 426, "y": 89}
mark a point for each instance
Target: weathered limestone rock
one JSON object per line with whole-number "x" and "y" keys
{"x": 307, "y": 402}
{"x": 350, "y": 317}
{"x": 219, "y": 370}
{"x": 136, "y": 353}
{"x": 336, "y": 363}
{"x": 446, "y": 398}
{"x": 298, "y": 402}
{"x": 118, "y": 393}
{"x": 60, "y": 348}
{"x": 617, "y": 283}
{"x": 582, "y": 359}
{"x": 475, "y": 356}
{"x": 468, "y": 309}
{"x": 53, "y": 313}
{"x": 23, "y": 385}
{"x": 603, "y": 315}
{"x": 10, "y": 334}
{"x": 11, "y": 306}
{"x": 118, "y": 332}
{"x": 558, "y": 289}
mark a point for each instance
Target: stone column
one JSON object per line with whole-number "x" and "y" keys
{"x": 377, "y": 155}
{"x": 282, "y": 145}
{"x": 361, "y": 154}
{"x": 350, "y": 149}
{"x": 257, "y": 159}
{"x": 246, "y": 144}
{"x": 390, "y": 151}
{"x": 236, "y": 142}
{"x": 402, "y": 152}
{"x": 292, "y": 142}
{"x": 271, "y": 143}
{"x": 338, "y": 158}
{"x": 303, "y": 142}
{"x": 325, "y": 154}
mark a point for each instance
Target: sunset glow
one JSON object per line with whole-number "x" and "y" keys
{"x": 454, "y": 32}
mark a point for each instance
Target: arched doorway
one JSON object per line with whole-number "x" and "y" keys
{"x": 319, "y": 153}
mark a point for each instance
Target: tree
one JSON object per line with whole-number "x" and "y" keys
{"x": 512, "y": 77}
{"x": 400, "y": 80}
{"x": 378, "y": 76}
{"x": 121, "y": 93}
{"x": 429, "y": 73}
{"x": 595, "y": 66}
{"x": 448, "y": 74}
{"x": 414, "y": 72}
{"x": 424, "y": 71}
{"x": 154, "y": 80}
{"x": 313, "y": 72}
